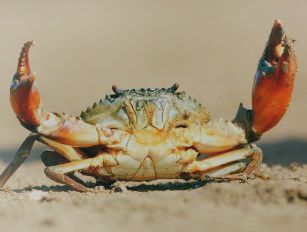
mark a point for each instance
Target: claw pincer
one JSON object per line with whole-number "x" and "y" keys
{"x": 24, "y": 96}
{"x": 274, "y": 80}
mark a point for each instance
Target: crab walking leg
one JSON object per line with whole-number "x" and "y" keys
{"x": 59, "y": 173}
{"x": 226, "y": 170}
{"x": 21, "y": 155}
{"x": 52, "y": 158}
{"x": 70, "y": 153}
{"x": 64, "y": 179}
{"x": 208, "y": 164}
{"x": 253, "y": 166}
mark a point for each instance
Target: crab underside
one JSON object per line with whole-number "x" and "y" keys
{"x": 147, "y": 134}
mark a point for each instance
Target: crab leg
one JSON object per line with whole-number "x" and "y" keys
{"x": 64, "y": 179}
{"x": 219, "y": 161}
{"x": 226, "y": 170}
{"x": 59, "y": 173}
{"x": 52, "y": 158}
{"x": 70, "y": 153}
{"x": 21, "y": 155}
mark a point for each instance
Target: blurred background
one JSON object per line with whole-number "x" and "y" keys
{"x": 211, "y": 48}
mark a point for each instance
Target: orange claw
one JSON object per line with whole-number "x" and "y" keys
{"x": 24, "y": 96}
{"x": 274, "y": 80}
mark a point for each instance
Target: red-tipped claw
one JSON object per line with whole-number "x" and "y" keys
{"x": 274, "y": 80}
{"x": 24, "y": 96}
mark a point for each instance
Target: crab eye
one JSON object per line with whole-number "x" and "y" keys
{"x": 114, "y": 127}
{"x": 181, "y": 125}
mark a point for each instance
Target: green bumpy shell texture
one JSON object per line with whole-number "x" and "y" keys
{"x": 166, "y": 102}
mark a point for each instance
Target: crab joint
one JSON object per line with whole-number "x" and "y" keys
{"x": 24, "y": 96}
{"x": 274, "y": 80}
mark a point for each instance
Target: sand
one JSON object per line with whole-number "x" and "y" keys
{"x": 211, "y": 49}
{"x": 33, "y": 203}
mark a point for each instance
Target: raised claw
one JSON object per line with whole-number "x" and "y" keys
{"x": 24, "y": 96}
{"x": 274, "y": 80}
{"x": 23, "y": 61}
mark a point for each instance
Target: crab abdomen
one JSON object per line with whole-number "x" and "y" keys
{"x": 125, "y": 167}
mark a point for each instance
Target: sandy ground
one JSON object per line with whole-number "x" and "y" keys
{"x": 211, "y": 49}
{"x": 33, "y": 203}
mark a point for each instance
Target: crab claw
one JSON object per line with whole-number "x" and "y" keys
{"x": 24, "y": 96}
{"x": 274, "y": 80}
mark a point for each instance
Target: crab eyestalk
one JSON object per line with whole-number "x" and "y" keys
{"x": 273, "y": 85}
{"x": 24, "y": 96}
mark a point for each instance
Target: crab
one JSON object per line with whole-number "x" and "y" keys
{"x": 148, "y": 134}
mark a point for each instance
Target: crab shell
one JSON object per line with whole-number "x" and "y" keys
{"x": 149, "y": 134}
{"x": 156, "y": 133}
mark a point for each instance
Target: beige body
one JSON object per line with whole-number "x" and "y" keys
{"x": 144, "y": 151}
